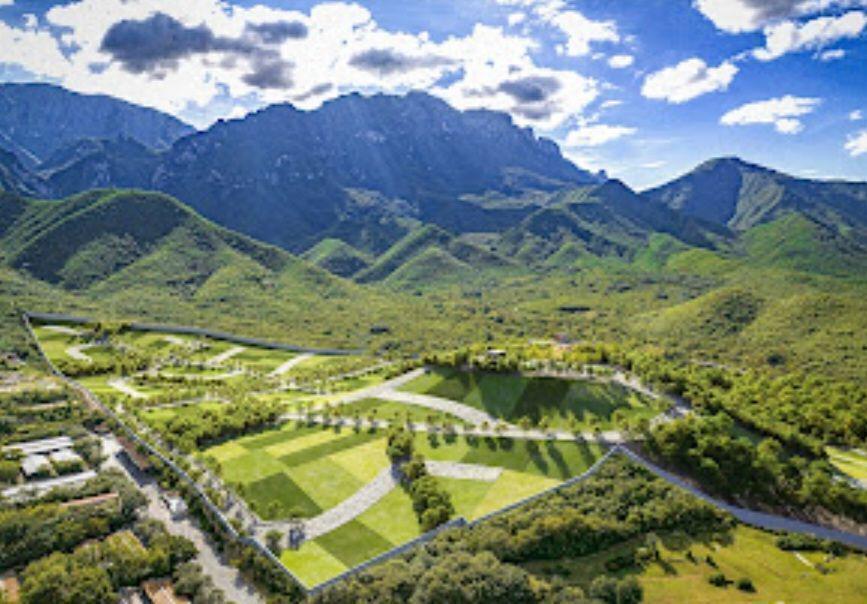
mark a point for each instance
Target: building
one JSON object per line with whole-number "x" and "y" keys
{"x": 42, "y": 446}
{"x": 161, "y": 591}
{"x": 132, "y": 453}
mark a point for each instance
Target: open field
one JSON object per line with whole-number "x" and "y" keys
{"x": 778, "y": 576}
{"x": 299, "y": 471}
{"x": 391, "y": 521}
{"x": 560, "y": 402}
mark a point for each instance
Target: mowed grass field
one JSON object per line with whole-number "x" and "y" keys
{"x": 511, "y": 397}
{"x": 778, "y": 576}
{"x": 527, "y": 470}
{"x": 394, "y": 412}
{"x": 300, "y": 471}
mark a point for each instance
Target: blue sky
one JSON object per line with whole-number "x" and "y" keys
{"x": 645, "y": 89}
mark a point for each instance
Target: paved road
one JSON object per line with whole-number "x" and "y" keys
{"x": 463, "y": 471}
{"x": 123, "y": 386}
{"x": 224, "y": 575}
{"x": 290, "y": 364}
{"x": 225, "y": 355}
{"x": 753, "y": 518}
{"x": 77, "y": 352}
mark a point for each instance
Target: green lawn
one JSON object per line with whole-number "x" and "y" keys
{"x": 262, "y": 360}
{"x": 511, "y": 397}
{"x": 778, "y": 576}
{"x": 300, "y": 470}
{"x": 548, "y": 459}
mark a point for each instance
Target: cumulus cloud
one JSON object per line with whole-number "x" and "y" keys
{"x": 621, "y": 61}
{"x": 7, "y": 2}
{"x": 687, "y": 80}
{"x": 782, "y": 113}
{"x": 516, "y": 18}
{"x": 738, "y": 16}
{"x": 856, "y": 116}
{"x": 160, "y": 41}
{"x": 594, "y": 135}
{"x": 192, "y": 59}
{"x": 579, "y": 31}
{"x": 856, "y": 144}
{"x": 817, "y": 33}
{"x": 277, "y": 32}
{"x": 386, "y": 61}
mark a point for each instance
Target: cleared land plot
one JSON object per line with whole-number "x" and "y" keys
{"x": 778, "y": 576}
{"x": 391, "y": 521}
{"x": 511, "y": 397}
{"x": 300, "y": 470}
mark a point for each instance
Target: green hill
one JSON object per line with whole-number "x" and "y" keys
{"x": 424, "y": 239}
{"x": 604, "y": 220}
{"x": 337, "y": 257}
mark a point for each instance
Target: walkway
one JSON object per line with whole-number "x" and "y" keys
{"x": 122, "y": 385}
{"x": 64, "y": 329}
{"x": 463, "y": 471}
{"x": 290, "y": 364}
{"x": 77, "y": 352}
{"x": 349, "y": 509}
{"x": 225, "y": 355}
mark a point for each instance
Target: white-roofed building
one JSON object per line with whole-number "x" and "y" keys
{"x": 45, "y": 445}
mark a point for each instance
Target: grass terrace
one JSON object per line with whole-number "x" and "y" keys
{"x": 561, "y": 402}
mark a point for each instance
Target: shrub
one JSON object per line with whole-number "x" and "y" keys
{"x": 718, "y": 580}
{"x": 745, "y": 584}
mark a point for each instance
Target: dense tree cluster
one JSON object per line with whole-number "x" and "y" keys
{"x": 190, "y": 432}
{"x": 103, "y": 567}
{"x": 32, "y": 531}
{"x": 707, "y": 448}
{"x": 481, "y": 564}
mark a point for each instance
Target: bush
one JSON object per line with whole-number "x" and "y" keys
{"x": 745, "y": 584}
{"x": 718, "y": 580}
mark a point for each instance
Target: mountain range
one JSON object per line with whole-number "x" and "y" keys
{"x": 407, "y": 189}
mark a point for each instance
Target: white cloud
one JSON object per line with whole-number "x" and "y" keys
{"x": 782, "y": 112}
{"x": 738, "y": 16}
{"x": 490, "y": 68}
{"x": 595, "y": 135}
{"x": 7, "y": 2}
{"x": 653, "y": 165}
{"x": 856, "y": 116}
{"x": 610, "y": 104}
{"x": 831, "y": 55}
{"x": 856, "y": 144}
{"x": 621, "y": 61}
{"x": 516, "y": 18}
{"x": 817, "y": 33}
{"x": 687, "y": 80}
{"x": 580, "y": 32}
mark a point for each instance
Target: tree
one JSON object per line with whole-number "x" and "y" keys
{"x": 462, "y": 578}
{"x": 273, "y": 538}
